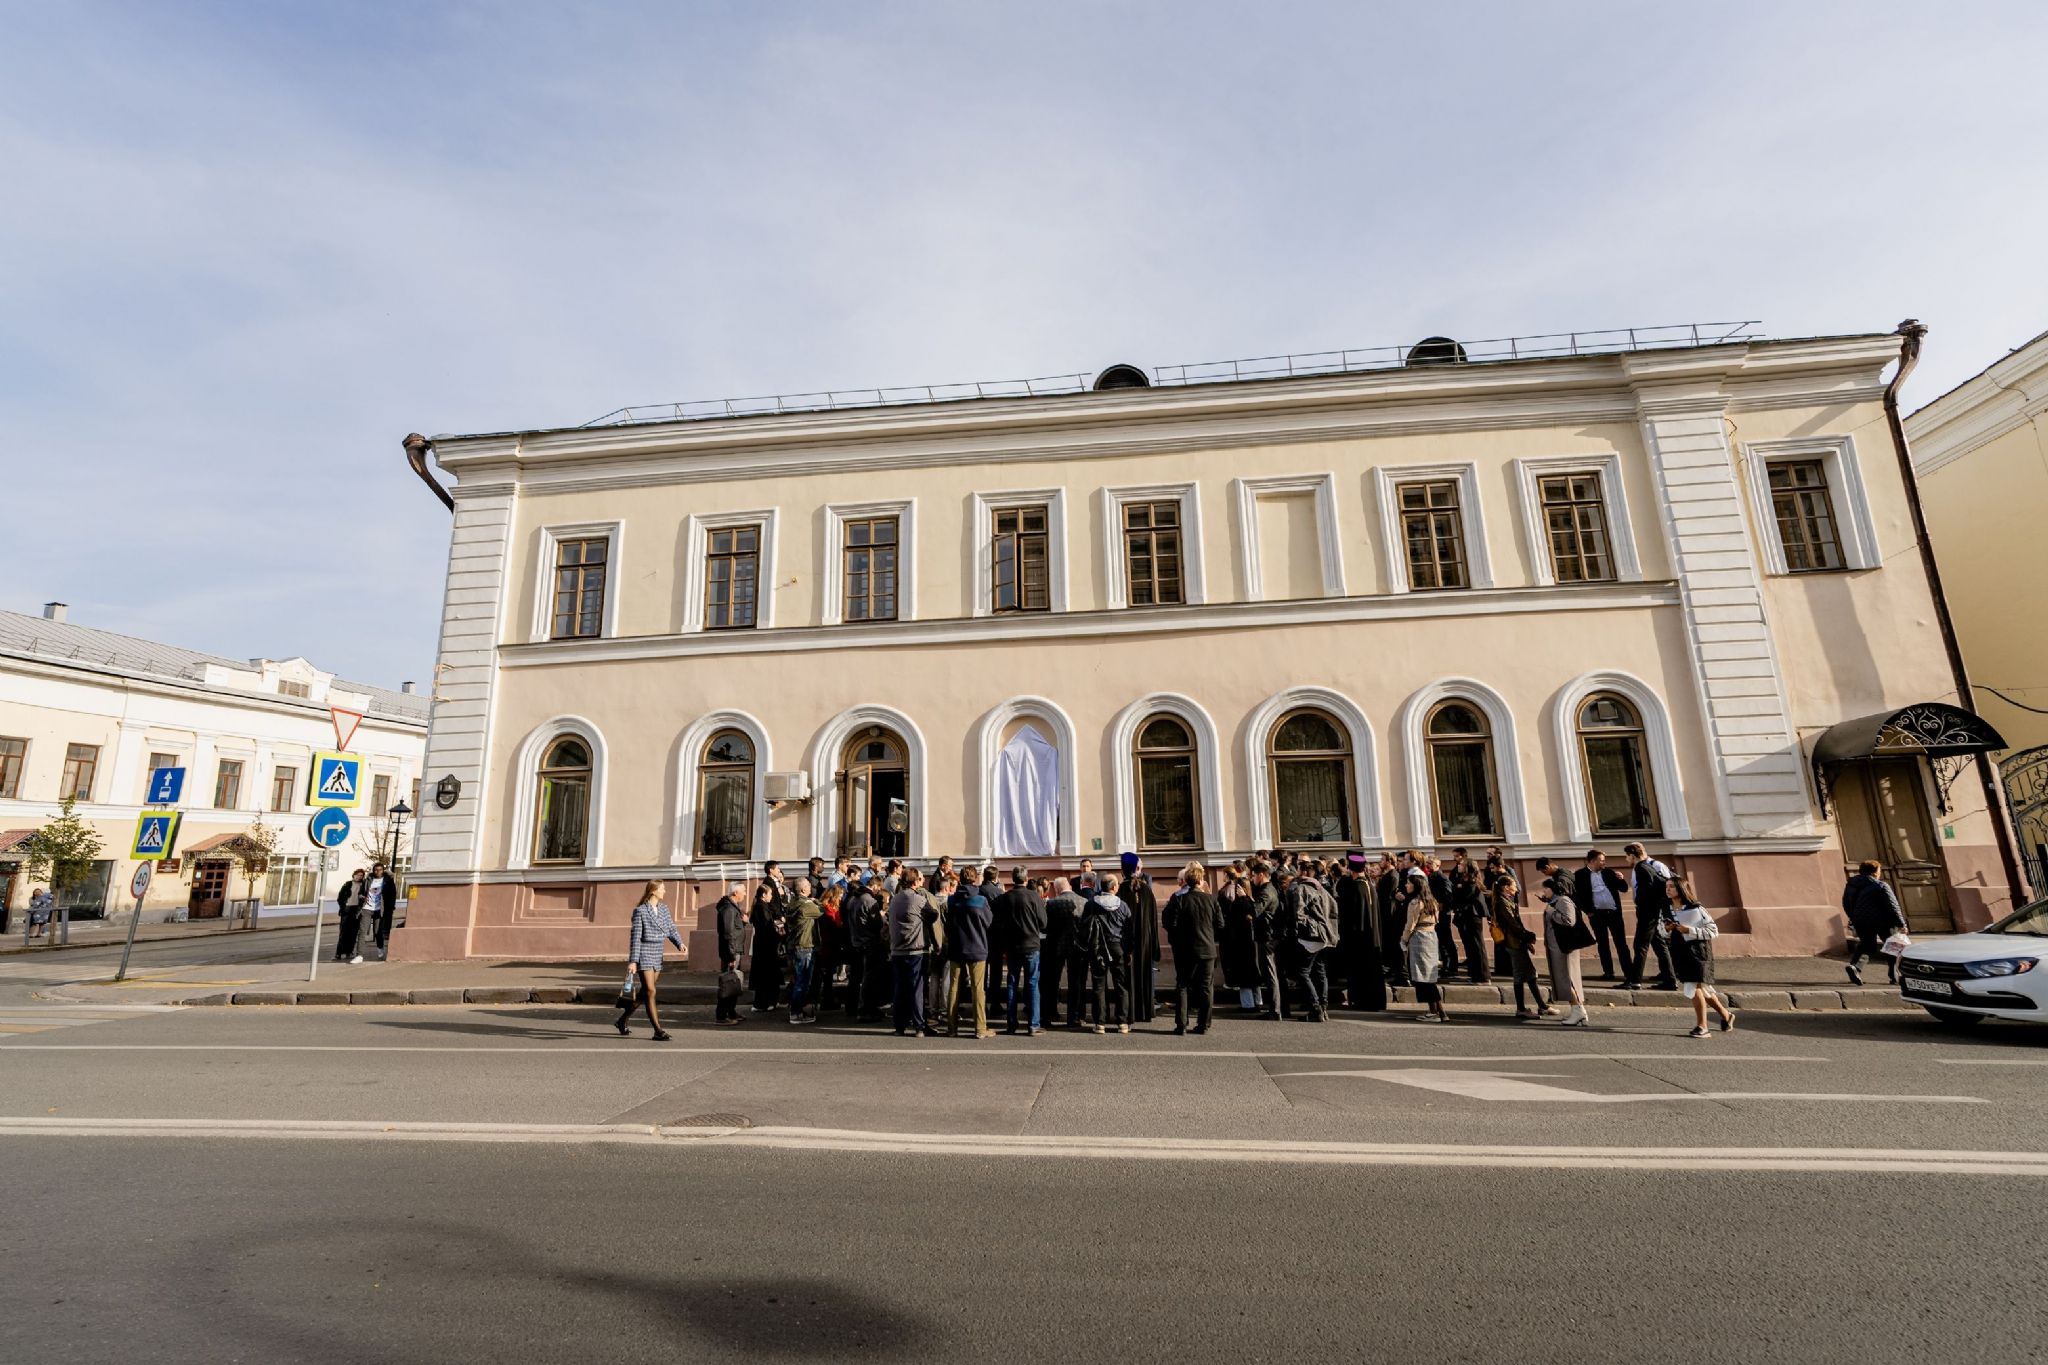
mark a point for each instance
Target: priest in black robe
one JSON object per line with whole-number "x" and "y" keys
{"x": 1365, "y": 985}
{"x": 1141, "y": 942}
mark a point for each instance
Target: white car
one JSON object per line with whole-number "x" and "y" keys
{"x": 2000, "y": 972}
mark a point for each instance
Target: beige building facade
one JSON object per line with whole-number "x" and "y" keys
{"x": 88, "y": 713}
{"x": 1982, "y": 460}
{"x": 1547, "y": 604}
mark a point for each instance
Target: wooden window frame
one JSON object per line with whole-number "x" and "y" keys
{"x": 1639, "y": 733}
{"x": 1192, "y": 750}
{"x": 849, "y": 550}
{"x": 573, "y": 626}
{"x": 1387, "y": 484}
{"x": 227, "y": 783}
{"x": 1347, "y": 758}
{"x": 731, "y": 557}
{"x": 1152, "y": 534}
{"x": 379, "y": 807}
{"x": 1440, "y": 517}
{"x": 1582, "y": 509}
{"x": 79, "y": 758}
{"x": 1484, "y": 739}
{"x": 838, "y": 516}
{"x": 284, "y": 781}
{"x": 1795, "y": 531}
{"x": 544, "y": 774}
{"x": 707, "y": 769}
{"x": 1020, "y": 542}
{"x": 12, "y": 765}
{"x": 546, "y": 559}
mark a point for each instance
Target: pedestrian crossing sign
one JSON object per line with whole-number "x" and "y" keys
{"x": 156, "y": 834}
{"x": 337, "y": 779}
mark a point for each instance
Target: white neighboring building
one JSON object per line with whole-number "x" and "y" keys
{"x": 89, "y": 713}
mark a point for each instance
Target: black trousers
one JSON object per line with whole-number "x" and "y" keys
{"x": 1869, "y": 943}
{"x": 1311, "y": 972}
{"x": 1446, "y": 946}
{"x": 728, "y": 1005}
{"x": 1053, "y": 961}
{"x": 1393, "y": 958}
{"x": 1364, "y": 987}
{"x": 767, "y": 982}
{"x": 1107, "y": 984}
{"x": 1478, "y": 946}
{"x": 1607, "y": 926}
{"x": 1647, "y": 942}
{"x": 351, "y": 928}
{"x": 1141, "y": 989}
{"x": 1196, "y": 977}
{"x": 856, "y": 972}
{"x": 877, "y": 985}
{"x": 1272, "y": 994}
{"x": 384, "y": 926}
{"x": 1077, "y": 988}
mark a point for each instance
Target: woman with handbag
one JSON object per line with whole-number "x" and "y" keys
{"x": 1565, "y": 932}
{"x": 1419, "y": 938}
{"x": 1504, "y": 899}
{"x": 1692, "y": 955}
{"x": 646, "y": 946}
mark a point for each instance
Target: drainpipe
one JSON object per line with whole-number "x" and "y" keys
{"x": 1911, "y": 332}
{"x": 416, "y": 448}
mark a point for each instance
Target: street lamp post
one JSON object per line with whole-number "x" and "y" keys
{"x": 397, "y": 814}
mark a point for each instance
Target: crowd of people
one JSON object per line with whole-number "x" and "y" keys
{"x": 1289, "y": 935}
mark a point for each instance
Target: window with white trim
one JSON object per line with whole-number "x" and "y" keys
{"x": 1152, "y": 546}
{"x": 1432, "y": 529}
{"x": 1807, "y": 500}
{"x": 870, "y": 563}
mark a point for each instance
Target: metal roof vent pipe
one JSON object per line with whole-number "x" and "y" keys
{"x": 1436, "y": 351}
{"x": 1122, "y": 377}
{"x": 410, "y": 689}
{"x": 54, "y": 611}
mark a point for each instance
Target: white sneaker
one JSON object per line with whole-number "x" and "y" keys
{"x": 357, "y": 958}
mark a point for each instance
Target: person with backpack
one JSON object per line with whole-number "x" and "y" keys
{"x": 1649, "y": 877}
{"x": 1308, "y": 935}
{"x": 1104, "y": 924}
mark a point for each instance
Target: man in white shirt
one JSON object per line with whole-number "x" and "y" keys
{"x": 1598, "y": 889}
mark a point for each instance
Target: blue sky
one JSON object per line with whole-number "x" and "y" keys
{"x": 245, "y": 248}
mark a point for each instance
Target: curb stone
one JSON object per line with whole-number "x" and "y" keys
{"x": 373, "y": 998}
{"x": 445, "y": 995}
{"x": 265, "y": 998}
{"x": 1859, "y": 1000}
{"x": 321, "y": 998}
{"x": 554, "y": 995}
{"x": 1816, "y": 1000}
{"x": 497, "y": 995}
{"x": 1761, "y": 1000}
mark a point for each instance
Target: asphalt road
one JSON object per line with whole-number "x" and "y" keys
{"x": 230, "y": 1184}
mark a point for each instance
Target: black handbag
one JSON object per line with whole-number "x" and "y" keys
{"x": 1574, "y": 936}
{"x": 628, "y": 996}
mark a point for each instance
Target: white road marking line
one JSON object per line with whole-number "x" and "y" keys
{"x": 1993, "y": 1061}
{"x": 1527, "y": 1088}
{"x": 956, "y": 1052}
{"x": 1803, "y": 1159}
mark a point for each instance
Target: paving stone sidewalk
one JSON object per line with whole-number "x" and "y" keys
{"x": 1789, "y": 983}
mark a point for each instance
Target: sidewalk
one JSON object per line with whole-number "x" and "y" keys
{"x": 99, "y": 933}
{"x": 1764, "y": 983}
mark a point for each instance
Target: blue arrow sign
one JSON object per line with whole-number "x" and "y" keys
{"x": 166, "y": 785}
{"x": 328, "y": 828}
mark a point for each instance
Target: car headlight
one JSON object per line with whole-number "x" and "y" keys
{"x": 2004, "y": 966}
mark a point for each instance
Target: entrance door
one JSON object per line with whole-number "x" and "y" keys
{"x": 874, "y": 792}
{"x": 209, "y": 890}
{"x": 9, "y": 873}
{"x": 1881, "y": 808}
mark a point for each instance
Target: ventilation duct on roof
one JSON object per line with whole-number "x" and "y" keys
{"x": 1122, "y": 377}
{"x": 1436, "y": 351}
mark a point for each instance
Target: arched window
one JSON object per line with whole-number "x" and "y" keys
{"x": 1309, "y": 757}
{"x": 725, "y": 796}
{"x": 1165, "y": 759}
{"x": 561, "y": 809}
{"x": 1618, "y": 787}
{"x": 1461, "y": 771}
{"x": 874, "y": 796}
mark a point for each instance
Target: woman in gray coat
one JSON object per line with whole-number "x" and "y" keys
{"x": 1420, "y": 940}
{"x": 1561, "y": 917}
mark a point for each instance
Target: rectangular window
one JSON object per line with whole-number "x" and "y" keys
{"x": 380, "y": 795}
{"x": 284, "y": 784}
{"x": 1433, "y": 527}
{"x": 294, "y": 689}
{"x": 1575, "y": 517}
{"x": 13, "y": 755}
{"x": 871, "y": 569}
{"x": 1018, "y": 554}
{"x": 732, "y": 577}
{"x": 81, "y": 763}
{"x": 1152, "y": 553}
{"x": 415, "y": 802}
{"x": 579, "y": 588}
{"x": 227, "y": 784}
{"x": 1806, "y": 515}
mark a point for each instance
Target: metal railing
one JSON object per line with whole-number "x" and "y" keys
{"x": 1309, "y": 363}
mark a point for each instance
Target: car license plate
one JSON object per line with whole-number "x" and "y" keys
{"x": 1929, "y": 987}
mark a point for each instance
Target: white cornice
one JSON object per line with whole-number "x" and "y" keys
{"x": 1084, "y": 624}
{"x": 1164, "y": 420}
{"x": 2002, "y": 398}
{"x": 108, "y": 675}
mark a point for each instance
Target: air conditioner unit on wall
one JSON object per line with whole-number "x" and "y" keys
{"x": 780, "y": 787}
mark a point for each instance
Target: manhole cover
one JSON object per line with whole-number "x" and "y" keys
{"x": 711, "y": 1121}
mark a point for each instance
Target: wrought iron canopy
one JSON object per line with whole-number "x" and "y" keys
{"x": 1930, "y": 728}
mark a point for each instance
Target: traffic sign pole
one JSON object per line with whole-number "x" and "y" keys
{"x": 319, "y": 904}
{"x": 327, "y": 829}
{"x": 139, "y": 885}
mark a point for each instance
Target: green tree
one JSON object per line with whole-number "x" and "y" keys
{"x": 63, "y": 851}
{"x": 252, "y": 851}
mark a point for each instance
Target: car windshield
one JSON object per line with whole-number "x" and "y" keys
{"x": 2033, "y": 920}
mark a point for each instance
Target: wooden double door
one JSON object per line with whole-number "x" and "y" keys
{"x": 1882, "y": 812}
{"x": 209, "y": 890}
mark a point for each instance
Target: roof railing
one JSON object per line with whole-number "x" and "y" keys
{"x": 1298, "y": 365}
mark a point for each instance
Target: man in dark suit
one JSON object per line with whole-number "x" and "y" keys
{"x": 1600, "y": 892}
{"x": 1020, "y": 929}
{"x": 1193, "y": 920}
{"x": 732, "y": 928}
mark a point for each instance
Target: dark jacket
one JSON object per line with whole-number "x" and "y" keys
{"x": 1102, "y": 929}
{"x": 1020, "y": 920}
{"x": 1310, "y": 913}
{"x": 350, "y": 898}
{"x": 854, "y": 921}
{"x": 1651, "y": 877}
{"x": 1356, "y": 923}
{"x": 732, "y": 923}
{"x": 1062, "y": 915}
{"x": 967, "y": 920}
{"x": 1265, "y": 914}
{"x": 1871, "y": 905}
{"x": 1582, "y": 889}
{"x": 1141, "y": 935}
{"x": 390, "y": 893}
{"x": 1194, "y": 925}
